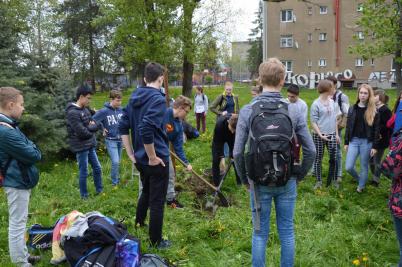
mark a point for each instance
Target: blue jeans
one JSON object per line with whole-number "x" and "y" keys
{"x": 339, "y": 155}
{"x": 114, "y": 148}
{"x": 285, "y": 200}
{"x": 398, "y": 229}
{"x": 82, "y": 158}
{"x": 358, "y": 146}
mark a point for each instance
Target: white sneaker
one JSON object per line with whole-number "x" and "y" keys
{"x": 318, "y": 185}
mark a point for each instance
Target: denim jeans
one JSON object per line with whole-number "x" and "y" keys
{"x": 83, "y": 158}
{"x": 398, "y": 229}
{"x": 171, "y": 193}
{"x": 18, "y": 201}
{"x": 339, "y": 155}
{"x": 358, "y": 146}
{"x": 285, "y": 199}
{"x": 114, "y": 148}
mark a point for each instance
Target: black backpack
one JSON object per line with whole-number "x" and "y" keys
{"x": 96, "y": 244}
{"x": 269, "y": 157}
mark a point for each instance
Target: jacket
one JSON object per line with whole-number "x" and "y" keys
{"x": 174, "y": 130}
{"x": 144, "y": 115}
{"x": 219, "y": 104}
{"x": 80, "y": 133}
{"x": 384, "y": 132}
{"x": 109, "y": 118}
{"x": 371, "y": 131}
{"x": 21, "y": 153}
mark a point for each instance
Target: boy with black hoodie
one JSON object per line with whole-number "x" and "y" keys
{"x": 144, "y": 115}
{"x": 18, "y": 173}
{"x": 109, "y": 117}
{"x": 81, "y": 130}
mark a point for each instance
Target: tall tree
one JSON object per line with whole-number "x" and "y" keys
{"x": 78, "y": 25}
{"x": 255, "y": 54}
{"x": 148, "y": 34}
{"x": 382, "y": 19}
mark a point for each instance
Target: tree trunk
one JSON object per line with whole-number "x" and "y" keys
{"x": 188, "y": 69}
{"x": 91, "y": 62}
{"x": 188, "y": 58}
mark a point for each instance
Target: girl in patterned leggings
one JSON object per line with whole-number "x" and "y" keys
{"x": 323, "y": 114}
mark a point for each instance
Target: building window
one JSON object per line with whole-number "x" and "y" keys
{"x": 360, "y": 35}
{"x": 323, "y": 9}
{"x": 288, "y": 65}
{"x": 360, "y": 7}
{"x": 287, "y": 15}
{"x": 310, "y": 11}
{"x": 286, "y": 41}
{"x": 372, "y": 62}
{"x": 359, "y": 62}
{"x": 310, "y": 37}
{"x": 323, "y": 36}
{"x": 322, "y": 62}
{"x": 309, "y": 63}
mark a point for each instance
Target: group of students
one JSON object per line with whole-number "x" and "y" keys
{"x": 146, "y": 126}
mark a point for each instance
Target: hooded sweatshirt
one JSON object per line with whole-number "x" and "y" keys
{"x": 80, "y": 133}
{"x": 109, "y": 118}
{"x": 144, "y": 115}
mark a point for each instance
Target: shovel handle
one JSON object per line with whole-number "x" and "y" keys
{"x": 193, "y": 172}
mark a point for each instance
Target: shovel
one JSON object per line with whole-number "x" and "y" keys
{"x": 217, "y": 191}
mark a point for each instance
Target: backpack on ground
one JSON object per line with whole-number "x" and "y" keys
{"x": 269, "y": 157}
{"x": 40, "y": 237}
{"x": 153, "y": 260}
{"x": 105, "y": 243}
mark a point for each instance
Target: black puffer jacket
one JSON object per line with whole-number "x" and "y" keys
{"x": 372, "y": 131}
{"x": 80, "y": 133}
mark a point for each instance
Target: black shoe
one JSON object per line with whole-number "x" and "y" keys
{"x": 32, "y": 259}
{"x": 164, "y": 244}
{"x": 174, "y": 204}
{"x": 374, "y": 183}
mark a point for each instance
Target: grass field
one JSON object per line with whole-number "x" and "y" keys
{"x": 333, "y": 228}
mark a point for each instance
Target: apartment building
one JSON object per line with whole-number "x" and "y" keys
{"x": 312, "y": 38}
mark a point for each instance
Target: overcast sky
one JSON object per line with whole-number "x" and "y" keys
{"x": 244, "y": 23}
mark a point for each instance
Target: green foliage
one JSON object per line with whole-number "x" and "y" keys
{"x": 255, "y": 54}
{"x": 209, "y": 79}
{"x": 333, "y": 228}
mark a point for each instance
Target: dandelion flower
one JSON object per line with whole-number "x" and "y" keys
{"x": 365, "y": 259}
{"x": 356, "y": 262}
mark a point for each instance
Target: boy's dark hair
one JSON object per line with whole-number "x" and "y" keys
{"x": 115, "y": 94}
{"x": 333, "y": 79}
{"x": 153, "y": 71}
{"x": 83, "y": 90}
{"x": 293, "y": 89}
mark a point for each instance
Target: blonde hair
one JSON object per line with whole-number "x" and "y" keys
{"x": 182, "y": 102}
{"x": 371, "y": 111}
{"x": 7, "y": 95}
{"x": 271, "y": 72}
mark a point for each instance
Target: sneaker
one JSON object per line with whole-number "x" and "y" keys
{"x": 164, "y": 244}
{"x": 32, "y": 259}
{"x": 336, "y": 184}
{"x": 318, "y": 185}
{"x": 359, "y": 190}
{"x": 374, "y": 183}
{"x": 174, "y": 204}
{"x": 339, "y": 179}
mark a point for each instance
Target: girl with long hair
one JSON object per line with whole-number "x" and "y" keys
{"x": 200, "y": 107}
{"x": 384, "y": 113}
{"x": 361, "y": 136}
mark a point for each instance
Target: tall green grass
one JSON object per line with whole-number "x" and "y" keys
{"x": 333, "y": 227}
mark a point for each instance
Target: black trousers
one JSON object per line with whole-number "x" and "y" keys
{"x": 155, "y": 182}
{"x": 217, "y": 155}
